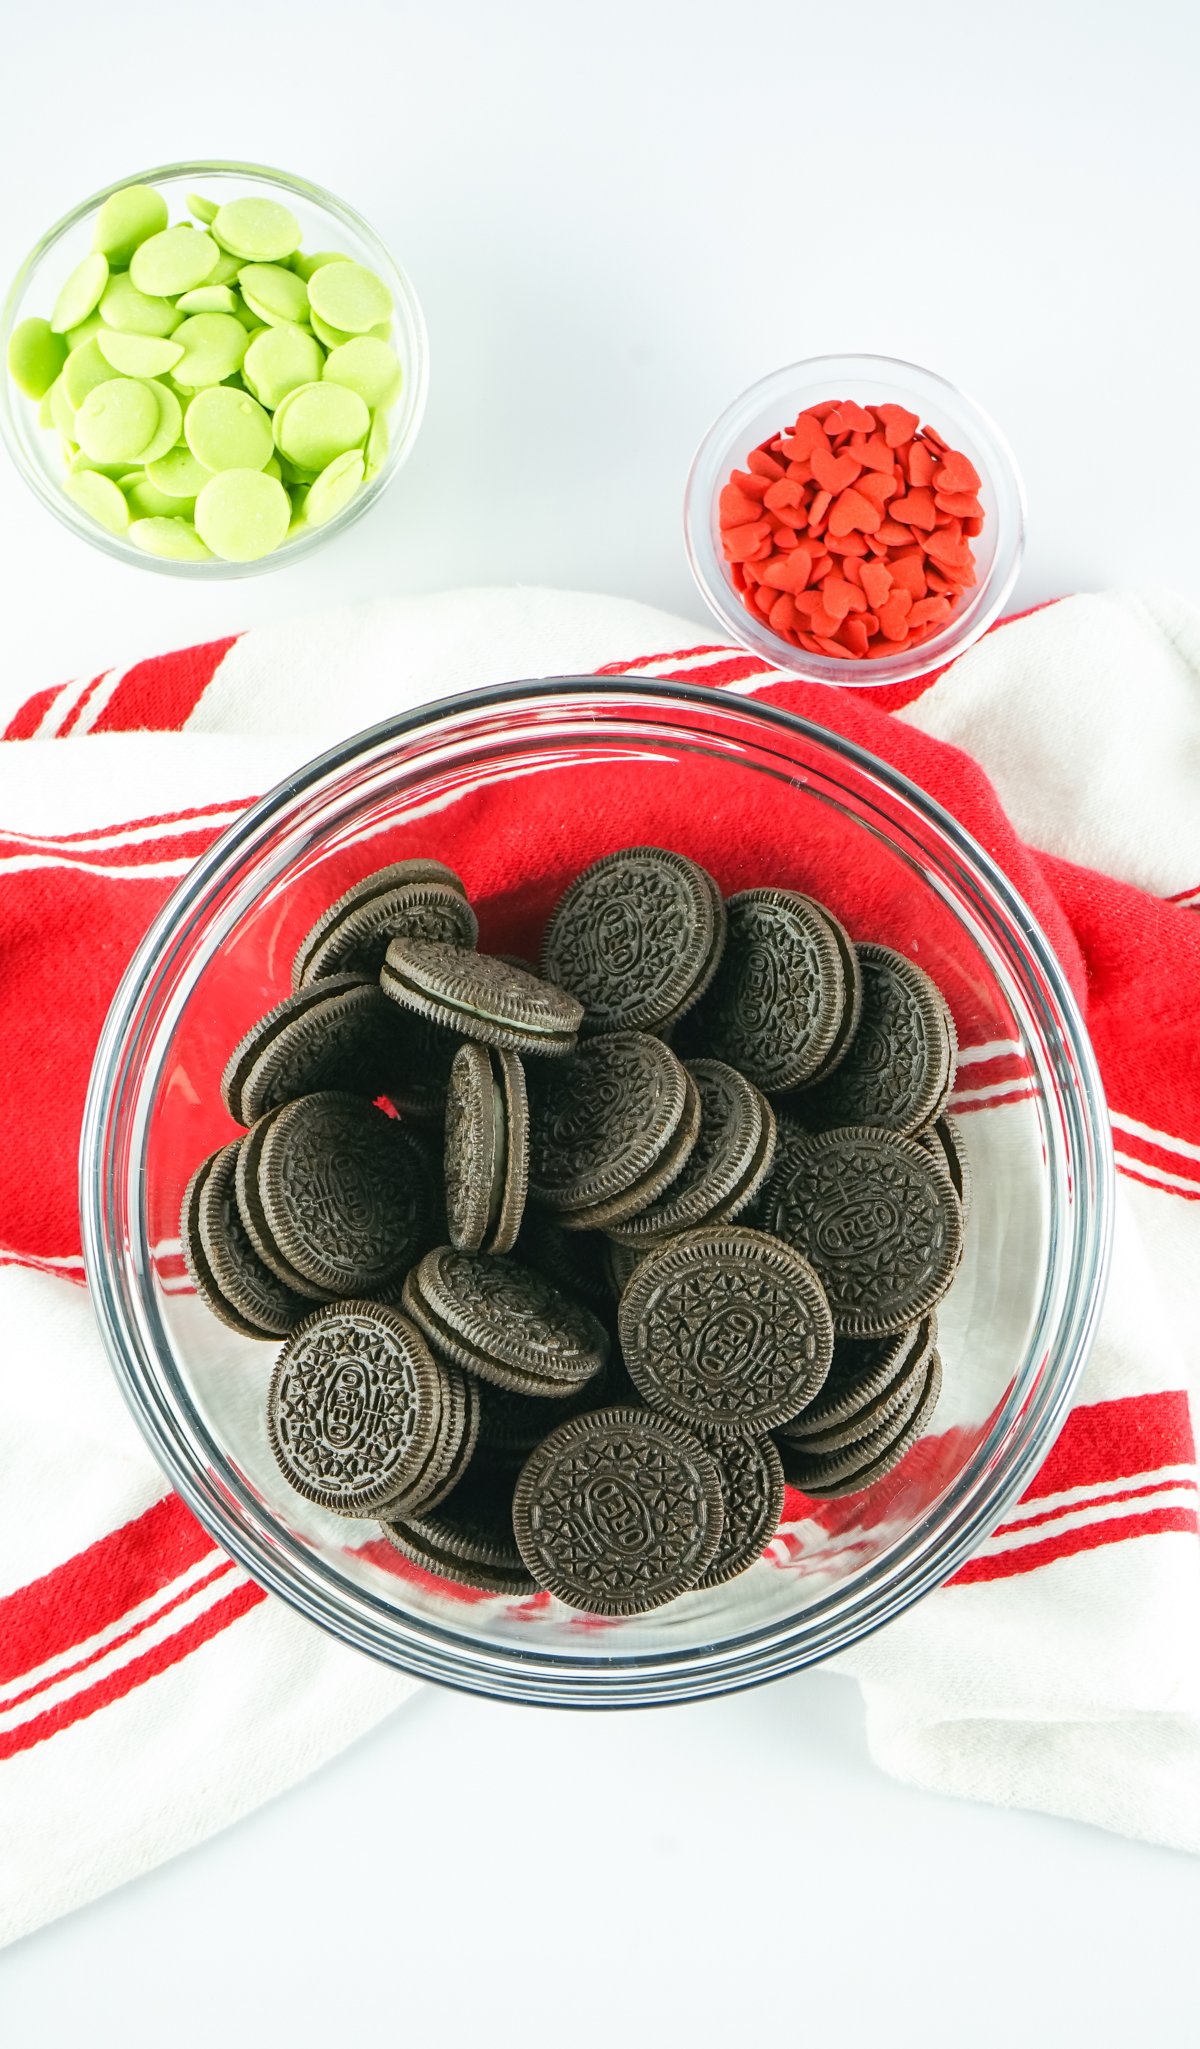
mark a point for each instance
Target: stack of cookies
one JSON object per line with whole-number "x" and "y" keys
{"x": 576, "y": 1267}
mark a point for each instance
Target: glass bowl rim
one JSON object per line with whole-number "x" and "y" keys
{"x": 956, "y": 637}
{"x": 416, "y": 372}
{"x": 1016, "y": 1442}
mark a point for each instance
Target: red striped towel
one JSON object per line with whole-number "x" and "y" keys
{"x": 149, "y": 1692}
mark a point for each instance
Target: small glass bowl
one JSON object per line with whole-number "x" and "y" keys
{"x": 771, "y": 405}
{"x": 485, "y": 782}
{"x": 327, "y": 223}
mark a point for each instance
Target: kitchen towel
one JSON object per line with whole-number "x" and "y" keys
{"x": 149, "y": 1692}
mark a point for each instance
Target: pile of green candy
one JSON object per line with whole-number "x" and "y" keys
{"x": 215, "y": 390}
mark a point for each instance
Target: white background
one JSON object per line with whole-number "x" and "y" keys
{"x": 617, "y": 217}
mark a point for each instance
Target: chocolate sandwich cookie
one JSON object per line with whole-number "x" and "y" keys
{"x": 872, "y": 1382}
{"x": 334, "y": 1195}
{"x": 409, "y": 896}
{"x": 618, "y": 1511}
{"x": 469, "y": 1539}
{"x": 339, "y": 1034}
{"x": 751, "y": 1476}
{"x": 260, "y": 1307}
{"x": 480, "y": 997}
{"x": 732, "y": 1156}
{"x": 360, "y": 1414}
{"x": 504, "y": 1322}
{"x": 228, "y": 1272}
{"x": 610, "y": 1129}
{"x": 877, "y": 1216}
{"x": 424, "y": 1056}
{"x": 726, "y": 1330}
{"x": 574, "y": 1260}
{"x": 825, "y": 1475}
{"x": 945, "y": 1141}
{"x": 899, "y": 1068}
{"x": 637, "y": 937}
{"x": 785, "y": 1001}
{"x": 487, "y": 1149}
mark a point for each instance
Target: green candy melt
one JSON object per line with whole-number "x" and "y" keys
{"x": 177, "y": 260}
{"x": 85, "y": 368}
{"x": 228, "y": 430}
{"x": 35, "y": 356}
{"x": 178, "y": 474}
{"x": 128, "y": 311}
{"x": 127, "y": 219}
{"x": 335, "y": 487}
{"x": 242, "y": 515}
{"x": 117, "y": 420}
{"x": 215, "y": 390}
{"x": 349, "y": 297}
{"x": 99, "y": 497}
{"x": 175, "y": 540}
{"x": 259, "y": 230}
{"x": 278, "y": 360}
{"x": 138, "y": 355}
{"x": 317, "y": 422}
{"x": 369, "y": 367}
{"x": 81, "y": 293}
{"x": 212, "y": 347}
{"x": 274, "y": 293}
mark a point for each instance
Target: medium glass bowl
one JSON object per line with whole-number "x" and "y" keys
{"x": 772, "y": 404}
{"x": 326, "y": 223}
{"x": 485, "y": 782}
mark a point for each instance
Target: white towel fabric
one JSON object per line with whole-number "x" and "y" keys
{"x": 149, "y": 1693}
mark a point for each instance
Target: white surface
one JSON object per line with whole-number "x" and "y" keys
{"x": 616, "y": 218}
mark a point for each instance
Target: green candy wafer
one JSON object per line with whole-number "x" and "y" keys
{"x": 81, "y": 293}
{"x": 117, "y": 420}
{"x": 317, "y": 422}
{"x": 176, "y": 260}
{"x": 35, "y": 357}
{"x": 242, "y": 515}
{"x": 100, "y": 498}
{"x": 228, "y": 430}
{"x": 127, "y": 219}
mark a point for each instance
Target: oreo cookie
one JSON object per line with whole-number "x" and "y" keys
{"x": 877, "y": 1216}
{"x": 226, "y": 1270}
{"x": 751, "y": 1476}
{"x": 726, "y": 1167}
{"x": 725, "y": 1329}
{"x": 480, "y": 997}
{"x": 339, "y": 1034}
{"x": 610, "y": 1129}
{"x": 504, "y": 1322}
{"x": 637, "y": 938}
{"x": 362, "y": 1417}
{"x": 469, "y": 1539}
{"x": 422, "y": 899}
{"x": 486, "y": 1149}
{"x": 898, "y": 1070}
{"x": 334, "y": 1195}
{"x": 872, "y": 1382}
{"x": 785, "y": 1002}
{"x": 944, "y": 1140}
{"x": 618, "y": 1511}
{"x": 848, "y": 1469}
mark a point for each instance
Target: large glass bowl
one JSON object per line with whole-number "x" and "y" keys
{"x": 518, "y": 787}
{"x": 326, "y": 223}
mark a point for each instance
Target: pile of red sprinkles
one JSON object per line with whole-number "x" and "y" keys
{"x": 849, "y": 534}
